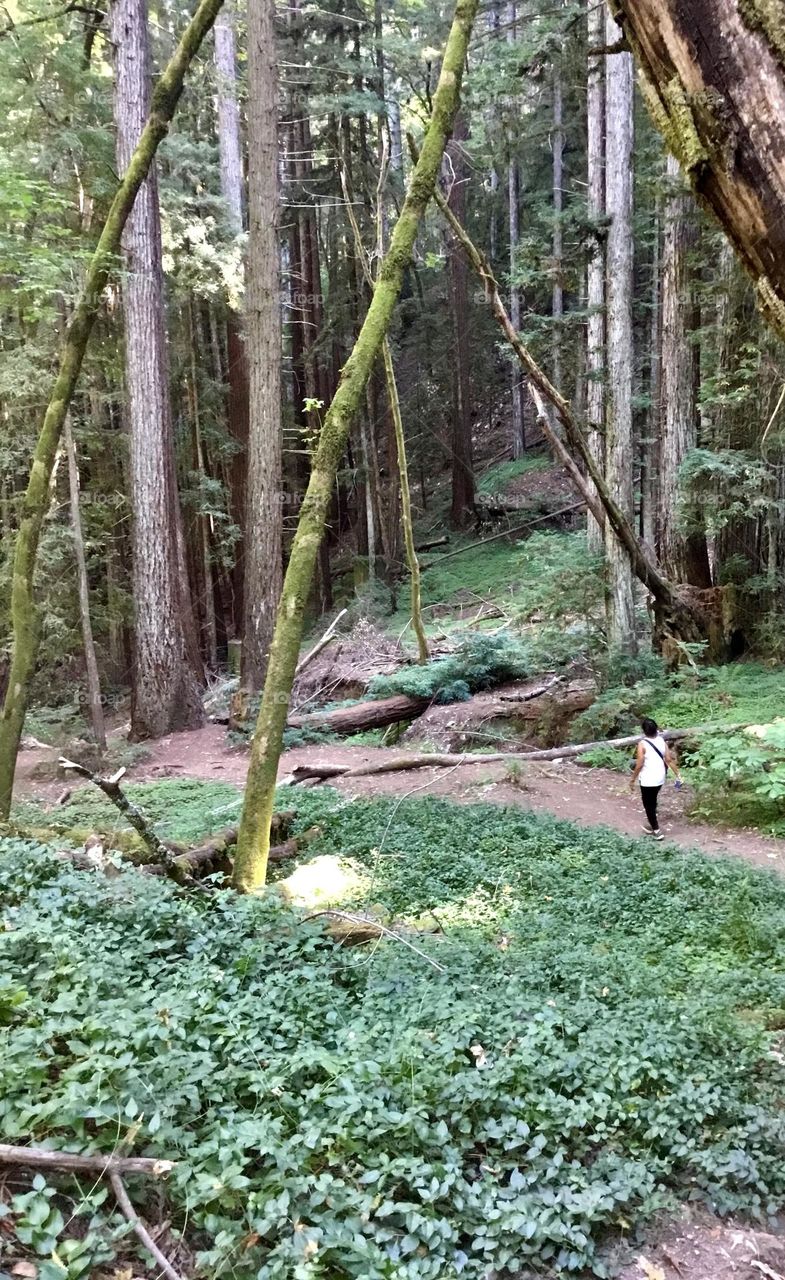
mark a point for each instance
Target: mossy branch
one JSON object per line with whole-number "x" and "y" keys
{"x": 24, "y": 614}
{"x": 250, "y": 868}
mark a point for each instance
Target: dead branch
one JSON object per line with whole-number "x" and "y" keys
{"x": 128, "y": 1210}
{"x": 69, "y": 1161}
{"x": 114, "y": 792}
{"x": 320, "y": 644}
{"x": 506, "y": 533}
{"x": 372, "y": 929}
{"x": 531, "y": 693}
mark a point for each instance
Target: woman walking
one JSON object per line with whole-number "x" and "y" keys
{"x": 652, "y": 761}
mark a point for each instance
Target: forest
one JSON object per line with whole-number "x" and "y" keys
{"x": 392, "y": 657}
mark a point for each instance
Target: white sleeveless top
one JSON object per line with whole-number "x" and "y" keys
{"x": 653, "y": 772}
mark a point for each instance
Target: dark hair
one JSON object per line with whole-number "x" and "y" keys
{"x": 649, "y": 727}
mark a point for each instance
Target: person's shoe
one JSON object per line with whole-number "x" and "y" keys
{"x": 657, "y": 835}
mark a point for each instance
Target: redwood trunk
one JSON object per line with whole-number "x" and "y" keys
{"x": 165, "y": 691}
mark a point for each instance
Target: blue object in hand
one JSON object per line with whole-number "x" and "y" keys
{"x": 678, "y": 784}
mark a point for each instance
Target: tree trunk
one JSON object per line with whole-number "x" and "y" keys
{"x": 684, "y": 557}
{"x": 595, "y": 272}
{"x": 651, "y": 446}
{"x": 714, "y": 79}
{"x": 165, "y": 692}
{"x": 264, "y": 514}
{"x": 94, "y": 699}
{"x": 557, "y": 292}
{"x": 620, "y": 607}
{"x": 513, "y": 208}
{"x": 254, "y": 838}
{"x": 232, "y": 190}
{"x": 24, "y": 618}
{"x": 363, "y": 715}
{"x": 462, "y": 506}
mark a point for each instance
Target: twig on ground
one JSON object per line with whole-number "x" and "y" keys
{"x": 114, "y": 792}
{"x": 361, "y": 922}
{"x": 129, "y": 1212}
{"x": 43, "y": 1158}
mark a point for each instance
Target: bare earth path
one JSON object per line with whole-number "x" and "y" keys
{"x": 590, "y": 797}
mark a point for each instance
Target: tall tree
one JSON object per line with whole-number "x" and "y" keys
{"x": 166, "y": 695}
{"x": 264, "y": 513}
{"x": 620, "y": 609}
{"x": 557, "y": 289}
{"x": 233, "y": 190}
{"x": 253, "y": 844}
{"x": 514, "y": 213}
{"x": 462, "y": 506}
{"x": 24, "y": 613}
{"x": 684, "y": 556}
{"x": 595, "y": 281}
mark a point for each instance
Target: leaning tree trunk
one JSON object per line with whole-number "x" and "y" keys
{"x": 595, "y": 271}
{"x": 620, "y": 607}
{"x": 264, "y": 512}
{"x": 165, "y": 692}
{"x": 254, "y": 837}
{"x": 682, "y": 553}
{"x": 713, "y": 75}
{"x": 24, "y": 615}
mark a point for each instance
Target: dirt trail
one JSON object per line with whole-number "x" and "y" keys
{"x": 590, "y": 797}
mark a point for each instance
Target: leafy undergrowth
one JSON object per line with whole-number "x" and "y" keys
{"x": 181, "y": 809}
{"x": 497, "y": 477}
{"x": 739, "y": 776}
{"x": 595, "y": 1045}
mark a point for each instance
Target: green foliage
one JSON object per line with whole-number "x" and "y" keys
{"x": 579, "y": 1061}
{"x": 479, "y": 662}
{"x": 721, "y": 486}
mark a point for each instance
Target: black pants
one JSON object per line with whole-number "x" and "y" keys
{"x": 649, "y": 796}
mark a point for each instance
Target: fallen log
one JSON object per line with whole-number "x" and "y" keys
{"x": 43, "y": 1158}
{"x": 363, "y": 715}
{"x": 432, "y": 759}
{"x": 434, "y": 542}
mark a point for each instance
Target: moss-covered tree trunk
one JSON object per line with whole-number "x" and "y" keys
{"x": 24, "y": 615}
{"x": 253, "y": 843}
{"x": 713, "y": 75}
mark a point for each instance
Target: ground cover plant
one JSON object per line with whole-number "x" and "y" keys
{"x": 601, "y": 1037}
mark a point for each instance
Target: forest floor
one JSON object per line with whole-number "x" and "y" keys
{"x": 590, "y": 797}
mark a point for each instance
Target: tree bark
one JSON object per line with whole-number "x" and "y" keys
{"x": 557, "y": 291}
{"x": 462, "y": 505}
{"x": 595, "y": 272}
{"x": 95, "y": 701}
{"x": 264, "y": 512}
{"x": 232, "y": 189}
{"x": 683, "y": 555}
{"x": 713, "y": 75}
{"x": 513, "y": 210}
{"x": 254, "y": 837}
{"x": 620, "y": 607}
{"x": 24, "y": 619}
{"x": 165, "y": 692}
{"x": 374, "y": 714}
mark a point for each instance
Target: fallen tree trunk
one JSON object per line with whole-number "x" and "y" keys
{"x": 364, "y": 715}
{"x": 432, "y": 760}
